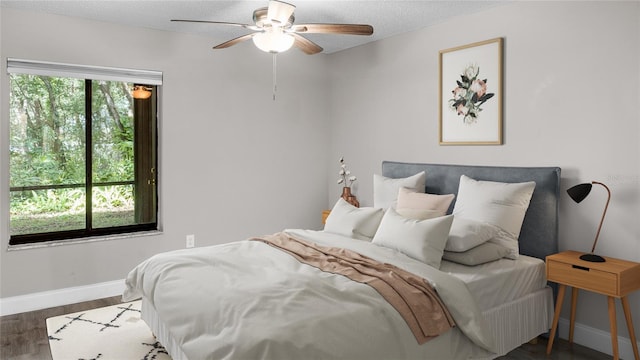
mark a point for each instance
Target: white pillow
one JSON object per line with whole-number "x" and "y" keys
{"x": 385, "y": 190}
{"x": 418, "y": 214}
{"x": 500, "y": 204}
{"x": 421, "y": 206}
{"x": 357, "y": 223}
{"x": 422, "y": 240}
{"x": 466, "y": 234}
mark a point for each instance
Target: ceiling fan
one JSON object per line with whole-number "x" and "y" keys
{"x": 274, "y": 31}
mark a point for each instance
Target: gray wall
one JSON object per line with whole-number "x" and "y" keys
{"x": 572, "y": 99}
{"x": 236, "y": 164}
{"x": 233, "y": 162}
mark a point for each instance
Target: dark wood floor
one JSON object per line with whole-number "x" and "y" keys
{"x": 24, "y": 337}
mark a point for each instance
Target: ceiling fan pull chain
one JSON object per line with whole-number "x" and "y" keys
{"x": 275, "y": 87}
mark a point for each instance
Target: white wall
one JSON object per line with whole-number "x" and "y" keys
{"x": 233, "y": 163}
{"x": 229, "y": 167}
{"x": 572, "y": 99}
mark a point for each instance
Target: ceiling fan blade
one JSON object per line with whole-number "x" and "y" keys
{"x": 306, "y": 45}
{"x": 232, "y": 42}
{"x": 348, "y": 29}
{"x": 246, "y": 26}
{"x": 279, "y": 11}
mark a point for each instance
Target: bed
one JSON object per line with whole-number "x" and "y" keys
{"x": 251, "y": 300}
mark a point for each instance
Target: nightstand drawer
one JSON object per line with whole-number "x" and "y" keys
{"x": 582, "y": 277}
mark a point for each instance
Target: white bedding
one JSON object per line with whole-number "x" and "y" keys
{"x": 248, "y": 300}
{"x": 501, "y": 281}
{"x": 511, "y": 324}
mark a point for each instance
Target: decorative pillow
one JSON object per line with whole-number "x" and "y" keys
{"x": 466, "y": 234}
{"x": 385, "y": 190}
{"x": 417, "y": 214}
{"x": 480, "y": 254}
{"x": 500, "y": 204}
{"x": 421, "y": 206}
{"x": 357, "y": 223}
{"x": 422, "y": 240}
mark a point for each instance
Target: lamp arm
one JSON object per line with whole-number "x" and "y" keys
{"x": 603, "y": 214}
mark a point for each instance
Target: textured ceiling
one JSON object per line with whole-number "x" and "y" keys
{"x": 388, "y": 17}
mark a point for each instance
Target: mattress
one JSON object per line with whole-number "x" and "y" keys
{"x": 501, "y": 281}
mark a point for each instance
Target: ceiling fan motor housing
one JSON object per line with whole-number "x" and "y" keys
{"x": 260, "y": 19}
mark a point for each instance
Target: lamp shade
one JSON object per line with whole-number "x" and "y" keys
{"x": 579, "y": 192}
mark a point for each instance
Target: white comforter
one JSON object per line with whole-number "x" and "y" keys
{"x": 248, "y": 300}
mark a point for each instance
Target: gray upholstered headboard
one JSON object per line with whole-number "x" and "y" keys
{"x": 539, "y": 234}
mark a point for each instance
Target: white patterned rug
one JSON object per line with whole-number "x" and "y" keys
{"x": 114, "y": 332}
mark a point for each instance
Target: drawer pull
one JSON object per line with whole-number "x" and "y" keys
{"x": 580, "y": 267}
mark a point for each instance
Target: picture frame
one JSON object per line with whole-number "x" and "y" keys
{"x": 470, "y": 101}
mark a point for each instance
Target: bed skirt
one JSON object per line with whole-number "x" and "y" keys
{"x": 512, "y": 324}
{"x": 150, "y": 316}
{"x": 521, "y": 320}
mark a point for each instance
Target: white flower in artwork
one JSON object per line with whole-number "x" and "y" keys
{"x": 471, "y": 71}
{"x": 472, "y": 118}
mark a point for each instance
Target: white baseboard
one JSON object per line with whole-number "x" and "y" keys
{"x": 595, "y": 339}
{"x": 47, "y": 299}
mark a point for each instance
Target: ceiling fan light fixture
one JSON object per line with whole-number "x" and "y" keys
{"x": 273, "y": 40}
{"x": 140, "y": 92}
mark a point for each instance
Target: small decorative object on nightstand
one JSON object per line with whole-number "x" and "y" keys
{"x": 347, "y": 179}
{"x": 579, "y": 193}
{"x": 615, "y": 278}
{"x": 349, "y": 197}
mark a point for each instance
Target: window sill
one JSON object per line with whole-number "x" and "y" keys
{"x": 92, "y": 239}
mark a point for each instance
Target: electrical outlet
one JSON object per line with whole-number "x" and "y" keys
{"x": 191, "y": 241}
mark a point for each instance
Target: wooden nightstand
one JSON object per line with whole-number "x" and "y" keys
{"x": 614, "y": 278}
{"x": 325, "y": 215}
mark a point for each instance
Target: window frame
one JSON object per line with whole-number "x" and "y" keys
{"x": 90, "y": 74}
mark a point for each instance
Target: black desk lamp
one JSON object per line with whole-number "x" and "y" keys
{"x": 578, "y": 193}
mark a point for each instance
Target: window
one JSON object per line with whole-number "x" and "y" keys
{"x": 82, "y": 152}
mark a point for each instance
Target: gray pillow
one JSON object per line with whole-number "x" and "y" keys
{"x": 480, "y": 254}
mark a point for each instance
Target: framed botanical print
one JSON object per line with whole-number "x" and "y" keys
{"x": 470, "y": 103}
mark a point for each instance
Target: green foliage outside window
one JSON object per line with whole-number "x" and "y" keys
{"x": 48, "y": 147}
